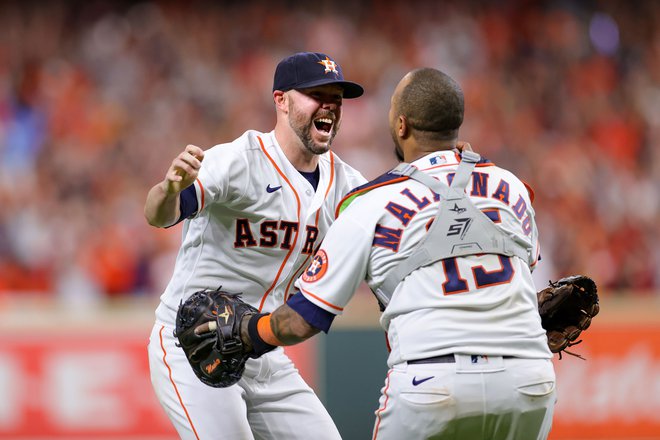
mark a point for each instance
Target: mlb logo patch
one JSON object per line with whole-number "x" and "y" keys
{"x": 436, "y": 160}
{"x": 476, "y": 359}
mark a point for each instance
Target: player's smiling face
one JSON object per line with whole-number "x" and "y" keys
{"x": 315, "y": 116}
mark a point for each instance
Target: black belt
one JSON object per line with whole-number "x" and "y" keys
{"x": 443, "y": 359}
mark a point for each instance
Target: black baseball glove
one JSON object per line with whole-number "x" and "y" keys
{"x": 567, "y": 308}
{"x": 216, "y": 353}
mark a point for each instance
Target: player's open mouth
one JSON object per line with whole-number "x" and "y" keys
{"x": 323, "y": 125}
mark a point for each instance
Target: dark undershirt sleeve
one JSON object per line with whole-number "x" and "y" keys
{"x": 187, "y": 204}
{"x": 314, "y": 315}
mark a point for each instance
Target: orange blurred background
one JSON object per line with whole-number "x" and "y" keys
{"x": 97, "y": 97}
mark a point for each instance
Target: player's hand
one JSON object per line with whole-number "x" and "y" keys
{"x": 463, "y": 146}
{"x": 184, "y": 170}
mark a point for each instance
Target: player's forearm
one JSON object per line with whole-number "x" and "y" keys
{"x": 161, "y": 208}
{"x": 289, "y": 327}
{"x": 260, "y": 333}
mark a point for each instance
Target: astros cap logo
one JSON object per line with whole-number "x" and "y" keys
{"x": 330, "y": 66}
{"x": 301, "y": 71}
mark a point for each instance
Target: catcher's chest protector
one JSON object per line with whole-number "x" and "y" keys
{"x": 459, "y": 228}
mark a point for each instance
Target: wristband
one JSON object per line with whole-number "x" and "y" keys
{"x": 259, "y": 345}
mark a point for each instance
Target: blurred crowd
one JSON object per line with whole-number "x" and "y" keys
{"x": 97, "y": 98}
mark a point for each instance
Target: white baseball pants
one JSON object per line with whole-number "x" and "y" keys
{"x": 272, "y": 401}
{"x": 475, "y": 397}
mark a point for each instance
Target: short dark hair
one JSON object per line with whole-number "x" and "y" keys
{"x": 433, "y": 104}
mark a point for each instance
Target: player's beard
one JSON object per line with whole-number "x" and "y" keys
{"x": 302, "y": 126}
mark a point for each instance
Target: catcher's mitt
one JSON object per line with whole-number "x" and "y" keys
{"x": 217, "y": 355}
{"x": 567, "y": 308}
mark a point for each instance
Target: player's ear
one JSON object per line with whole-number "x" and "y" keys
{"x": 402, "y": 127}
{"x": 280, "y": 99}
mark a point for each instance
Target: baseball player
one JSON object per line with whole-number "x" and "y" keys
{"x": 447, "y": 244}
{"x": 254, "y": 212}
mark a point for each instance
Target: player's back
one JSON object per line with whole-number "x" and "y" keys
{"x": 476, "y": 304}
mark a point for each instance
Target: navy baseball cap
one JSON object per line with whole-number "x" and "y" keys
{"x": 311, "y": 69}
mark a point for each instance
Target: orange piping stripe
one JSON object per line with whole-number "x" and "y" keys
{"x": 530, "y": 190}
{"x": 296, "y": 275}
{"x": 176, "y": 390}
{"x": 316, "y": 224}
{"x": 481, "y": 165}
{"x": 332, "y": 179}
{"x": 201, "y": 187}
{"x": 384, "y": 405}
{"x": 369, "y": 188}
{"x": 327, "y": 191}
{"x": 295, "y": 238}
{"x": 322, "y": 300}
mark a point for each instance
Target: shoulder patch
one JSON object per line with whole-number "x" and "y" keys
{"x": 317, "y": 268}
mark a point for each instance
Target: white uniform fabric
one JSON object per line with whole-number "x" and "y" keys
{"x": 476, "y": 305}
{"x": 492, "y": 398}
{"x": 459, "y": 228}
{"x": 271, "y": 401}
{"x": 258, "y": 223}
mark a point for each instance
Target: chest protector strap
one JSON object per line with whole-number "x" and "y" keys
{"x": 459, "y": 228}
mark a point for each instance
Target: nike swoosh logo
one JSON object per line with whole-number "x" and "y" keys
{"x": 271, "y": 189}
{"x": 417, "y": 382}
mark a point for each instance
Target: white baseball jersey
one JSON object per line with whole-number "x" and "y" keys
{"x": 482, "y": 305}
{"x": 258, "y": 223}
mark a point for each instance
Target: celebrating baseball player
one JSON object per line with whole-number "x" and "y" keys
{"x": 447, "y": 243}
{"x": 254, "y": 211}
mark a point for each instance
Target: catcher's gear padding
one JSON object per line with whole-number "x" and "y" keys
{"x": 217, "y": 355}
{"x": 479, "y": 235}
{"x": 567, "y": 308}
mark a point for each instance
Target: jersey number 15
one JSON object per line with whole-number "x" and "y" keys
{"x": 482, "y": 277}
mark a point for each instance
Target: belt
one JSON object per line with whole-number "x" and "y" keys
{"x": 443, "y": 359}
